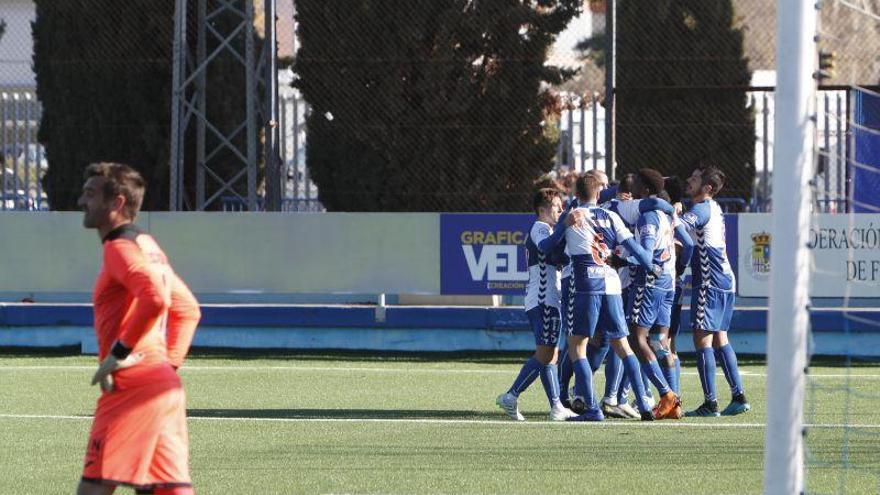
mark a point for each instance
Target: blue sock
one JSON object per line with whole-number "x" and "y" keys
{"x": 550, "y": 383}
{"x": 565, "y": 372}
{"x": 727, "y": 358}
{"x": 667, "y": 369}
{"x": 613, "y": 375}
{"x": 632, "y": 370}
{"x": 595, "y": 356}
{"x": 652, "y": 370}
{"x": 706, "y": 368}
{"x": 677, "y": 375}
{"x": 646, "y": 383}
{"x": 583, "y": 382}
{"x": 530, "y": 370}
{"x": 671, "y": 377}
{"x": 624, "y": 387}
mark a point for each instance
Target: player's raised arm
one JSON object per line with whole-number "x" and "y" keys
{"x": 125, "y": 262}
{"x": 549, "y": 244}
{"x": 558, "y": 256}
{"x": 183, "y": 318}
{"x": 697, "y": 217}
{"x": 625, "y": 238}
{"x": 647, "y": 226}
{"x": 639, "y": 254}
{"x": 651, "y": 204}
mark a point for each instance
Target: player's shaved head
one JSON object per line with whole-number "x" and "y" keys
{"x": 598, "y": 174}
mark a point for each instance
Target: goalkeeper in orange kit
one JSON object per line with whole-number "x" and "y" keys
{"x": 145, "y": 318}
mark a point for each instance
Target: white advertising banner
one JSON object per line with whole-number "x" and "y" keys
{"x": 235, "y": 253}
{"x": 845, "y": 255}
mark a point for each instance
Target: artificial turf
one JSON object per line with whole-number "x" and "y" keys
{"x": 344, "y": 423}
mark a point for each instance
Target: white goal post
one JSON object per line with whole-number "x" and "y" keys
{"x": 788, "y": 320}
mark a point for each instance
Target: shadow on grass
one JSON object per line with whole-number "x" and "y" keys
{"x": 40, "y": 352}
{"x": 363, "y": 356}
{"x": 345, "y": 414}
{"x": 480, "y": 357}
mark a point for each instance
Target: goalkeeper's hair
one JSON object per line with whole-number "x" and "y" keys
{"x": 120, "y": 180}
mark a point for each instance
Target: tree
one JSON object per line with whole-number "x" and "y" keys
{"x": 103, "y": 73}
{"x": 681, "y": 90}
{"x": 428, "y": 105}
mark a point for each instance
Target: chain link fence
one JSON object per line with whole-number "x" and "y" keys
{"x": 447, "y": 105}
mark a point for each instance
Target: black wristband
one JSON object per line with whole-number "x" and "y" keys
{"x": 119, "y": 351}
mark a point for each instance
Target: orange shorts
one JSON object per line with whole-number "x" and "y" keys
{"x": 139, "y": 436}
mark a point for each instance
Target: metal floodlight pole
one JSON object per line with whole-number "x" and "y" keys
{"x": 250, "y": 101}
{"x": 221, "y": 141}
{"x": 201, "y": 104}
{"x": 178, "y": 92}
{"x": 271, "y": 128}
{"x": 788, "y": 319}
{"x": 610, "y": 80}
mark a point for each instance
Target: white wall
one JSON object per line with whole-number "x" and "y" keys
{"x": 236, "y": 253}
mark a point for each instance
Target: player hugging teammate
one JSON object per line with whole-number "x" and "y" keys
{"x": 641, "y": 235}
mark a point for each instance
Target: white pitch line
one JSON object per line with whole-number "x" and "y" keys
{"x": 384, "y": 370}
{"x": 638, "y": 424}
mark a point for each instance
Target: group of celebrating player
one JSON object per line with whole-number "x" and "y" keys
{"x": 622, "y": 254}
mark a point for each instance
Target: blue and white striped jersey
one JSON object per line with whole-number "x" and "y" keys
{"x": 709, "y": 264}
{"x": 628, "y": 211}
{"x": 590, "y": 245}
{"x": 544, "y": 284}
{"x": 654, "y": 232}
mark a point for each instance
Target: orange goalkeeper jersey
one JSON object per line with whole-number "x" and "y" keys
{"x": 140, "y": 302}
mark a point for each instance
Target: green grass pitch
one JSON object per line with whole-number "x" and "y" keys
{"x": 345, "y": 423}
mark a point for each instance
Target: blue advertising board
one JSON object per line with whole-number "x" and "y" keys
{"x": 483, "y": 253}
{"x": 864, "y": 168}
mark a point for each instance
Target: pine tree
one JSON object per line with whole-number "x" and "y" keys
{"x": 428, "y": 105}
{"x": 681, "y": 90}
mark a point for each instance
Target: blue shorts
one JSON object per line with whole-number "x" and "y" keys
{"x": 711, "y": 309}
{"x": 567, "y": 301}
{"x": 649, "y": 306}
{"x": 592, "y": 311}
{"x": 544, "y": 321}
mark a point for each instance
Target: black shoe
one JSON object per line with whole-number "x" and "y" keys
{"x": 578, "y": 406}
{"x": 565, "y": 403}
{"x": 647, "y": 416}
{"x": 708, "y": 409}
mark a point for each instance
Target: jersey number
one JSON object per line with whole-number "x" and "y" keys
{"x": 599, "y": 250}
